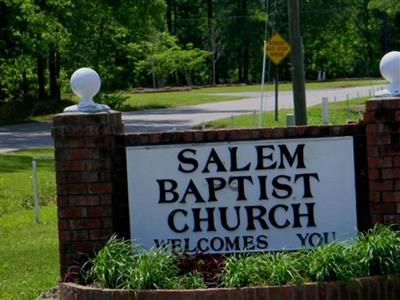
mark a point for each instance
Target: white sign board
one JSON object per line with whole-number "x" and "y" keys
{"x": 245, "y": 196}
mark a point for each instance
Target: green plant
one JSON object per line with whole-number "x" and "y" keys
{"x": 114, "y": 101}
{"x": 121, "y": 264}
{"x": 380, "y": 250}
{"x": 192, "y": 280}
{"x": 334, "y": 261}
{"x": 241, "y": 270}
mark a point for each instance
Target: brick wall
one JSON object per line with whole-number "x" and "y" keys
{"x": 91, "y": 171}
{"x": 382, "y": 120}
{"x": 84, "y": 149}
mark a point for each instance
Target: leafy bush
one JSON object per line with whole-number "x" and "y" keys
{"x": 114, "y": 101}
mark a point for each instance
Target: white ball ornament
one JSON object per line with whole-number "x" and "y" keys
{"x": 85, "y": 83}
{"x": 390, "y": 70}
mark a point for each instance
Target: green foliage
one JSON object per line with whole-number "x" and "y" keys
{"x": 391, "y": 7}
{"x": 379, "y": 249}
{"x": 123, "y": 265}
{"x": 114, "y": 101}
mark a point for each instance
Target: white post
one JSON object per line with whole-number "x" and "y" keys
{"x": 325, "y": 112}
{"x": 290, "y": 120}
{"x": 203, "y": 125}
{"x": 262, "y": 86}
{"x": 35, "y": 191}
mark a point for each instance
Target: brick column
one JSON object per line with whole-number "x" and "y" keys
{"x": 84, "y": 148}
{"x": 382, "y": 120}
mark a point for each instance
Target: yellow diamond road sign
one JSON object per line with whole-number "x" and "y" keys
{"x": 277, "y": 48}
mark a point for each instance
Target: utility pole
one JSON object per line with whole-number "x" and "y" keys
{"x": 299, "y": 92}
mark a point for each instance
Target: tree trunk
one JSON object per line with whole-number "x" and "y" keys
{"x": 41, "y": 65}
{"x": 169, "y": 15}
{"x": 385, "y": 33}
{"x": 54, "y": 74}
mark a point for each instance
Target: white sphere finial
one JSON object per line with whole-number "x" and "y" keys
{"x": 390, "y": 70}
{"x": 85, "y": 83}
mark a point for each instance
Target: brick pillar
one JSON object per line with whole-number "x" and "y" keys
{"x": 84, "y": 148}
{"x": 382, "y": 120}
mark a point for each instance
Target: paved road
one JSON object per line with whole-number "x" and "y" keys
{"x": 33, "y": 135}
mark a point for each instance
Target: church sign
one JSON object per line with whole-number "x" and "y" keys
{"x": 246, "y": 196}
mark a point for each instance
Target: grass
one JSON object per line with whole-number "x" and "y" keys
{"x": 28, "y": 254}
{"x": 207, "y": 95}
{"x": 28, "y": 251}
{"x": 340, "y": 113}
{"x": 16, "y": 187}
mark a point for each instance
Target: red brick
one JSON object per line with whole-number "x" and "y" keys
{"x": 398, "y": 208}
{"x": 287, "y": 292}
{"x": 372, "y": 151}
{"x": 84, "y": 224}
{"x": 69, "y": 213}
{"x": 266, "y": 133}
{"x": 102, "y": 234}
{"x": 375, "y": 196}
{"x": 84, "y": 200}
{"x": 82, "y": 246}
{"x": 373, "y": 174}
{"x": 63, "y": 224}
{"x": 376, "y": 186}
{"x": 379, "y": 162}
{"x": 60, "y": 178}
{"x": 391, "y": 219}
{"x": 80, "y": 177}
{"x": 379, "y": 139}
{"x": 79, "y": 235}
{"x": 99, "y": 188}
{"x": 62, "y": 201}
{"x": 391, "y": 173}
{"x": 64, "y": 236}
{"x": 310, "y": 291}
{"x": 376, "y": 219}
{"x": 105, "y": 199}
{"x": 391, "y": 196}
{"x": 278, "y": 133}
{"x": 389, "y": 150}
{"x": 396, "y": 161}
{"x": 70, "y": 166}
{"x": 71, "y": 189}
{"x": 107, "y": 222}
{"x": 95, "y": 165}
{"x": 275, "y": 293}
{"x": 99, "y": 211}
{"x": 387, "y": 208}
{"x": 79, "y": 154}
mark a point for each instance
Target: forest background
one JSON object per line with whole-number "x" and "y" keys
{"x": 157, "y": 43}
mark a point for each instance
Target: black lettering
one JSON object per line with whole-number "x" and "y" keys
{"x": 252, "y": 216}
{"x": 214, "y": 184}
{"x": 175, "y": 244}
{"x": 214, "y": 159}
{"x": 170, "y": 190}
{"x": 198, "y": 220}
{"x": 248, "y": 242}
{"x": 298, "y": 153}
{"x": 315, "y": 242}
{"x": 234, "y": 161}
{"x": 171, "y": 220}
{"x": 302, "y": 238}
{"x": 192, "y": 189}
{"x": 160, "y": 243}
{"x": 272, "y": 216}
{"x": 187, "y": 161}
{"x": 280, "y": 186}
{"x": 232, "y": 244}
{"x": 224, "y": 218}
{"x": 261, "y": 157}
{"x": 213, "y": 243}
{"x": 199, "y": 242}
{"x": 263, "y": 187}
{"x": 307, "y": 183}
{"x": 241, "y": 195}
{"x": 309, "y": 215}
{"x": 262, "y": 242}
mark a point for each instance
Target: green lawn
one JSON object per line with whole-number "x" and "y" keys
{"x": 16, "y": 187}
{"x": 28, "y": 251}
{"x": 139, "y": 101}
{"x": 339, "y": 113}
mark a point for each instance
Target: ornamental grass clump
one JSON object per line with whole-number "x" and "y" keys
{"x": 379, "y": 249}
{"x": 123, "y": 265}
